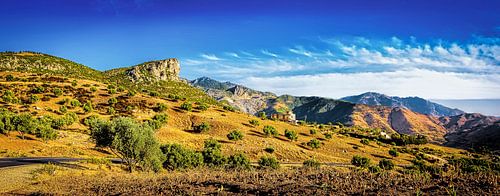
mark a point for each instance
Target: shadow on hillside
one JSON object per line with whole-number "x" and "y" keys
{"x": 248, "y": 125}
{"x": 256, "y": 133}
{"x": 303, "y": 147}
{"x": 224, "y": 142}
{"x": 380, "y": 156}
{"x": 303, "y": 134}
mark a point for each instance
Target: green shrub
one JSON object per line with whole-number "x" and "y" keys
{"x": 87, "y": 107}
{"x": 202, "y": 128}
{"x": 238, "y": 161}
{"x": 262, "y": 115}
{"x": 187, "y": 106}
{"x": 74, "y": 83}
{"x": 111, "y": 91}
{"x": 112, "y": 101}
{"x": 161, "y": 107}
{"x": 153, "y": 94}
{"x": 121, "y": 89}
{"x": 254, "y": 122}
{"x": 158, "y": 121}
{"x": 10, "y": 78}
{"x": 328, "y": 135}
{"x": 229, "y": 108}
{"x": 270, "y": 131}
{"x": 360, "y": 161}
{"x": 131, "y": 93}
{"x": 178, "y": 157}
{"x": 386, "y": 164}
{"x": 269, "y": 149}
{"x": 33, "y": 99}
{"x": 57, "y": 92}
{"x": 9, "y": 97}
{"x": 212, "y": 155}
{"x": 393, "y": 152}
{"x": 374, "y": 169}
{"x": 365, "y": 141}
{"x": 46, "y": 133}
{"x": 93, "y": 89}
{"x": 235, "y": 135}
{"x": 311, "y": 163}
{"x": 314, "y": 144}
{"x": 38, "y": 90}
{"x": 269, "y": 162}
{"x": 313, "y": 131}
{"x": 134, "y": 143}
{"x": 291, "y": 135}
{"x": 111, "y": 110}
{"x": 75, "y": 103}
{"x": 63, "y": 109}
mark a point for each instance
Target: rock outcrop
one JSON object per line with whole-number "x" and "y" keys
{"x": 152, "y": 71}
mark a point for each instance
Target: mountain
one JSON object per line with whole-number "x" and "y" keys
{"x": 472, "y": 130}
{"x": 324, "y": 110}
{"x": 415, "y": 104}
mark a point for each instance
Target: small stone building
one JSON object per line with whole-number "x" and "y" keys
{"x": 288, "y": 116}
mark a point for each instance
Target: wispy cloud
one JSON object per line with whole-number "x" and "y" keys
{"x": 232, "y": 54}
{"x": 301, "y": 51}
{"x": 211, "y": 57}
{"x": 266, "y": 52}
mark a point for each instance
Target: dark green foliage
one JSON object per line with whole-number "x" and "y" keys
{"x": 235, "y": 135}
{"x": 91, "y": 120}
{"x": 75, "y": 103}
{"x": 328, "y": 135}
{"x": 38, "y": 89}
{"x": 312, "y": 163}
{"x": 157, "y": 121}
{"x": 254, "y": 122}
{"x": 262, "y": 115}
{"x": 269, "y": 162}
{"x": 161, "y": 107}
{"x": 202, "y": 107}
{"x": 153, "y": 94}
{"x": 111, "y": 91}
{"x": 87, "y": 107}
{"x": 403, "y": 139}
{"x": 270, "y": 131}
{"x": 386, "y": 164}
{"x": 202, "y": 128}
{"x": 229, "y": 108}
{"x": 131, "y": 93}
{"x": 269, "y": 149}
{"x": 360, "y": 161}
{"x": 291, "y": 135}
{"x": 178, "y": 157}
{"x": 10, "y": 78}
{"x": 112, "y": 101}
{"x": 26, "y": 124}
{"x": 9, "y": 97}
{"x": 120, "y": 89}
{"x": 33, "y": 99}
{"x": 134, "y": 143}
{"x": 212, "y": 155}
{"x": 63, "y": 109}
{"x": 314, "y": 144}
{"x": 74, "y": 83}
{"x": 93, "y": 89}
{"x": 393, "y": 152}
{"x": 57, "y": 92}
{"x": 66, "y": 120}
{"x": 238, "y": 161}
{"x": 46, "y": 133}
{"x": 365, "y": 141}
{"x": 187, "y": 106}
{"x": 111, "y": 110}
{"x": 471, "y": 165}
{"x": 374, "y": 169}
{"x": 313, "y": 131}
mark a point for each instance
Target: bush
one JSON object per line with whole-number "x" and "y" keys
{"x": 112, "y": 101}
{"x": 202, "y": 128}
{"x": 131, "y": 93}
{"x": 75, "y": 103}
{"x": 262, "y": 115}
{"x": 269, "y": 149}
{"x": 254, "y": 122}
{"x": 212, "y": 155}
{"x": 46, "y": 133}
{"x": 386, "y": 164}
{"x": 291, "y": 135}
{"x": 111, "y": 91}
{"x": 403, "y": 139}
{"x": 360, "y": 161}
{"x": 135, "y": 144}
{"x": 313, "y": 131}
{"x": 202, "y": 107}
{"x": 393, "y": 152}
{"x": 63, "y": 109}
{"x": 33, "y": 99}
{"x": 374, "y": 169}
{"x": 74, "y": 83}
{"x": 270, "y": 131}
{"x": 365, "y": 141}
{"x": 121, "y": 89}
{"x": 187, "y": 106}
{"x": 314, "y": 144}
{"x": 161, "y": 107}
{"x": 235, "y": 135}
{"x": 269, "y": 162}
{"x": 158, "y": 121}
{"x": 153, "y": 94}
{"x": 9, "y": 97}
{"x": 93, "y": 89}
{"x": 238, "y": 161}
{"x": 87, "y": 107}
{"x": 178, "y": 157}
{"x": 328, "y": 135}
{"x": 10, "y": 78}
{"x": 57, "y": 92}
{"x": 38, "y": 90}
{"x": 311, "y": 163}
{"x": 111, "y": 110}
{"x": 229, "y": 108}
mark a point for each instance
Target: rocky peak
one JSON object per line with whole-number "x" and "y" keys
{"x": 167, "y": 69}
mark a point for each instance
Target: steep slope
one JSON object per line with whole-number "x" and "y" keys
{"x": 472, "y": 130}
{"x": 46, "y": 64}
{"x": 415, "y": 104}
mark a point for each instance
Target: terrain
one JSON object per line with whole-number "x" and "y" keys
{"x": 51, "y": 89}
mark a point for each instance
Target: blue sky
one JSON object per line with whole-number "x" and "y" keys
{"x": 441, "y": 49}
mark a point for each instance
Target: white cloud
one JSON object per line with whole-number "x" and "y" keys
{"x": 266, "y": 52}
{"x": 211, "y": 57}
{"x": 301, "y": 51}
{"x": 414, "y": 82}
{"x": 233, "y": 54}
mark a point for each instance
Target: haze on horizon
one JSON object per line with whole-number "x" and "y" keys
{"x": 322, "y": 48}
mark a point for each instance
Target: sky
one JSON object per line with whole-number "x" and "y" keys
{"x": 439, "y": 49}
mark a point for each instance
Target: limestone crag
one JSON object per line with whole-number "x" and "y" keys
{"x": 152, "y": 71}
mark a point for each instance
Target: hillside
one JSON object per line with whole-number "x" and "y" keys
{"x": 415, "y": 104}
{"x": 472, "y": 131}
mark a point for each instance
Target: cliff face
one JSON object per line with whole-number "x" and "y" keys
{"x": 167, "y": 69}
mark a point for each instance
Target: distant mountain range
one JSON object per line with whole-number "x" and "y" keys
{"x": 410, "y": 115}
{"x": 415, "y": 104}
